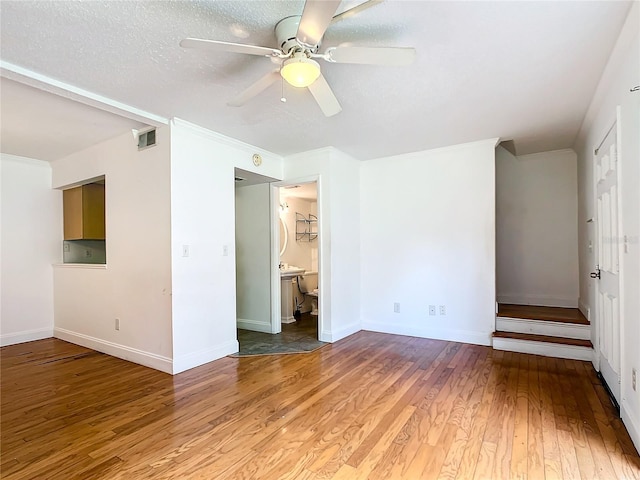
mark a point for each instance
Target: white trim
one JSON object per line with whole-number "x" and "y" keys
{"x": 539, "y": 300}
{"x": 633, "y": 427}
{"x": 584, "y": 309}
{"x": 287, "y": 320}
{"x": 533, "y": 156}
{"x": 540, "y": 327}
{"x": 195, "y": 359}
{"x": 66, "y": 90}
{"x": 607, "y": 372}
{"x": 557, "y": 350}
{"x": 95, "y": 266}
{"x": 493, "y": 142}
{"x": 275, "y": 322}
{"x": 25, "y": 160}
{"x": 148, "y": 359}
{"x": 25, "y": 336}
{"x": 220, "y": 138}
{"x": 345, "y": 331}
{"x": 463, "y": 336}
{"x": 253, "y": 325}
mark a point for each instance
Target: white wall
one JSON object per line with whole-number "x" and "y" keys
{"x": 428, "y": 238}
{"x": 135, "y": 286}
{"x": 299, "y": 252}
{"x": 203, "y": 217}
{"x": 537, "y": 228}
{"x": 30, "y": 242}
{"x": 621, "y": 74}
{"x": 338, "y": 177}
{"x": 253, "y": 257}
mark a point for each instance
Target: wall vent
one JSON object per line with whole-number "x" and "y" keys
{"x": 147, "y": 139}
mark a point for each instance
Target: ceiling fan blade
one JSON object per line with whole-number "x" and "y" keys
{"x": 355, "y": 10}
{"x": 323, "y": 94}
{"x": 316, "y": 17}
{"x": 253, "y": 90}
{"x": 217, "y": 46}
{"x": 392, "y": 56}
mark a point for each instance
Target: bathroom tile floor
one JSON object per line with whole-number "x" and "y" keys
{"x": 298, "y": 337}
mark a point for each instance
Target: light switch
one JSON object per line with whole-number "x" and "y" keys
{"x": 185, "y": 250}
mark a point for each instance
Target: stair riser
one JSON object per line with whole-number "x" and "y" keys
{"x": 541, "y": 327}
{"x": 556, "y": 350}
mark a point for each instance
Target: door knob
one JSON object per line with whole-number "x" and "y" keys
{"x": 595, "y": 274}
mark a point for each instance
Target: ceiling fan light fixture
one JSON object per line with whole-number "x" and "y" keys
{"x": 300, "y": 71}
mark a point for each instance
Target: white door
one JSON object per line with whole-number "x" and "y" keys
{"x": 253, "y": 259}
{"x": 607, "y": 270}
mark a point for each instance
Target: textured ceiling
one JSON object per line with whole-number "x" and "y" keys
{"x": 523, "y": 71}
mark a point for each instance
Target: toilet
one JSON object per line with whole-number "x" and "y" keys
{"x": 308, "y": 285}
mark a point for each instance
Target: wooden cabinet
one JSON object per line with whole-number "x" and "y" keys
{"x": 84, "y": 212}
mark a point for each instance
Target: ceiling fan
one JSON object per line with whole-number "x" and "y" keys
{"x": 299, "y": 39}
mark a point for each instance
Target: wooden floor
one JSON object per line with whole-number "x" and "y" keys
{"x": 550, "y": 314}
{"x": 372, "y": 406}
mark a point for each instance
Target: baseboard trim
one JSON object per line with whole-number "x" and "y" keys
{"x": 539, "y": 327}
{"x": 538, "y": 300}
{"x": 25, "y": 336}
{"x": 555, "y": 350}
{"x": 195, "y": 359}
{"x": 253, "y": 325}
{"x": 633, "y": 427}
{"x": 343, "y": 332}
{"x": 463, "y": 336}
{"x": 585, "y": 310}
{"x": 148, "y": 359}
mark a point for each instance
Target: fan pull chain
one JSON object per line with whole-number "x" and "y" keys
{"x": 283, "y": 99}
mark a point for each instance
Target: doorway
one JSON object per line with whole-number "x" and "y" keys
{"x": 298, "y": 263}
{"x": 276, "y": 226}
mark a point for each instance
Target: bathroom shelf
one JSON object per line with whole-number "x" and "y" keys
{"x": 306, "y": 227}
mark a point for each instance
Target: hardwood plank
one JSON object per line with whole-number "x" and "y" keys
{"x": 472, "y": 451}
{"x": 372, "y": 406}
{"x": 535, "y": 441}
{"x": 504, "y": 433}
{"x": 544, "y": 338}
{"x": 552, "y": 461}
{"x": 551, "y": 314}
{"x": 519, "y": 453}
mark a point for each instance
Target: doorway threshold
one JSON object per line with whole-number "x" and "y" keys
{"x": 298, "y": 337}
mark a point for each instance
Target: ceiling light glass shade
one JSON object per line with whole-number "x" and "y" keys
{"x": 300, "y": 71}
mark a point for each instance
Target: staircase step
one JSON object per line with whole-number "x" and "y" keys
{"x": 550, "y": 314}
{"x": 548, "y": 346}
{"x": 543, "y": 327}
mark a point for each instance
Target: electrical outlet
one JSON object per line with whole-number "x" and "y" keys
{"x": 87, "y": 253}
{"x": 432, "y": 309}
{"x": 396, "y": 307}
{"x": 443, "y": 310}
{"x": 67, "y": 247}
{"x": 633, "y": 379}
{"x": 117, "y": 324}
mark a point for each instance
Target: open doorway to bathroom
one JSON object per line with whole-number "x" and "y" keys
{"x": 276, "y": 290}
{"x": 298, "y": 266}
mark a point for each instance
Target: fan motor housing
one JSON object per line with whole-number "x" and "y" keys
{"x": 286, "y": 31}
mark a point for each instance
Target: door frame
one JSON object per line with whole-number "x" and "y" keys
{"x": 276, "y": 326}
{"x": 614, "y": 126}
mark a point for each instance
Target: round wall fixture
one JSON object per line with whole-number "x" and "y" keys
{"x": 257, "y": 159}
